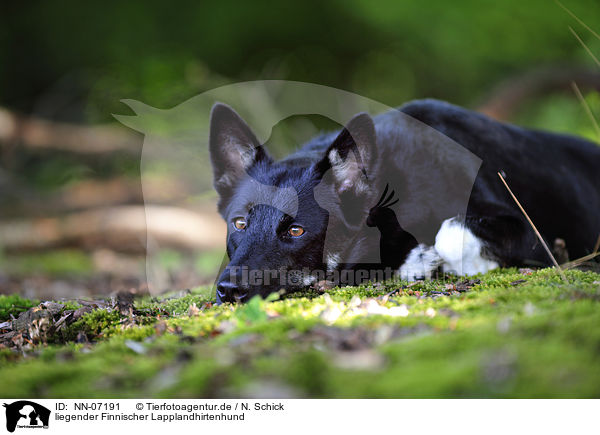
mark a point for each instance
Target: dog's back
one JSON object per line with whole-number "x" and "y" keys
{"x": 556, "y": 177}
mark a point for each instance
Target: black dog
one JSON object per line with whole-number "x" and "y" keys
{"x": 316, "y": 213}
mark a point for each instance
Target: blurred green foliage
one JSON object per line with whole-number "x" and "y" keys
{"x": 78, "y": 59}
{"x": 54, "y": 263}
{"x": 563, "y": 113}
{"x": 74, "y": 61}
{"x": 12, "y": 305}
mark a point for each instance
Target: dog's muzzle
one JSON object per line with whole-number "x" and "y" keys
{"x": 230, "y": 292}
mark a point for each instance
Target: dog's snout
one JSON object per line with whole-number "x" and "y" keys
{"x": 226, "y": 288}
{"x": 230, "y": 292}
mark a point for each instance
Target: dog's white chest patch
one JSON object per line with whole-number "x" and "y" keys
{"x": 456, "y": 249}
{"x": 461, "y": 250}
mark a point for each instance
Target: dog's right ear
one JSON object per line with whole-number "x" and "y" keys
{"x": 352, "y": 156}
{"x": 233, "y": 148}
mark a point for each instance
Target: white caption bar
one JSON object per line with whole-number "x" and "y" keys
{"x": 263, "y": 417}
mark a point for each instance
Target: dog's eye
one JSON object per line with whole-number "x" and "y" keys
{"x": 296, "y": 231}
{"x": 240, "y": 223}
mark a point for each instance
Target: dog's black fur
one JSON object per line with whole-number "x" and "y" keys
{"x": 556, "y": 177}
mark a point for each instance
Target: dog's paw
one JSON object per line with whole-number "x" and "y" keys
{"x": 420, "y": 264}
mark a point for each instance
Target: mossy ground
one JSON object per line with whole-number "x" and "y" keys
{"x": 511, "y": 335}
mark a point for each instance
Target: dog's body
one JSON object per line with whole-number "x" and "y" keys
{"x": 317, "y": 209}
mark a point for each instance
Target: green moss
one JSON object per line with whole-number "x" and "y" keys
{"x": 56, "y": 263}
{"x": 12, "y": 305}
{"x": 176, "y": 303}
{"x": 94, "y": 324}
{"x": 511, "y": 335}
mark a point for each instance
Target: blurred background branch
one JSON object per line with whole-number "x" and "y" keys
{"x": 40, "y": 134}
{"x": 505, "y": 101}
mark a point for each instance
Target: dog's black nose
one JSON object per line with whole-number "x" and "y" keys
{"x": 225, "y": 290}
{"x": 229, "y": 292}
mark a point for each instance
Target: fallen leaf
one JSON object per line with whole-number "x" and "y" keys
{"x": 160, "y": 328}
{"x": 271, "y": 313}
{"x": 323, "y": 285}
{"x": 193, "y": 310}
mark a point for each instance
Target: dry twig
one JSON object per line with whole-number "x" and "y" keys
{"x": 537, "y": 233}
{"x": 581, "y": 260}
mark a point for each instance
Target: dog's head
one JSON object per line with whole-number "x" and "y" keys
{"x": 288, "y": 220}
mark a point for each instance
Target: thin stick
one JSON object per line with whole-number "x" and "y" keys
{"x": 584, "y": 46}
{"x": 537, "y": 233}
{"x": 577, "y": 19}
{"x": 586, "y": 108}
{"x": 579, "y": 261}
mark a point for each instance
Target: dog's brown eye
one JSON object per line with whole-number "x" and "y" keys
{"x": 296, "y": 231}
{"x": 240, "y": 223}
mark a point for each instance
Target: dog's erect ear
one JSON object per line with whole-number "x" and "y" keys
{"x": 233, "y": 148}
{"x": 350, "y": 166}
{"x": 352, "y": 156}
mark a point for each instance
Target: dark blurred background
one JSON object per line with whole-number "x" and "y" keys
{"x": 71, "y": 205}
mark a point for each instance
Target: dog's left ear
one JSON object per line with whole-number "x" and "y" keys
{"x": 233, "y": 148}
{"x": 352, "y": 156}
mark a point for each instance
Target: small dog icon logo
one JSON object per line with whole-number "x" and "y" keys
{"x": 26, "y": 414}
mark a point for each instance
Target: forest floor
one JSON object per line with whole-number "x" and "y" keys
{"x": 508, "y": 333}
